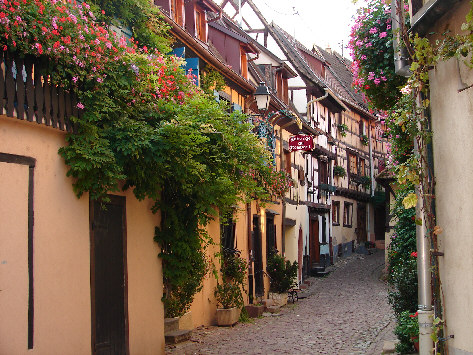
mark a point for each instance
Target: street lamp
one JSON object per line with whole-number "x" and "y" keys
{"x": 262, "y": 96}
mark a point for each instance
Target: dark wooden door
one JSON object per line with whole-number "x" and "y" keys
{"x": 109, "y": 316}
{"x": 380, "y": 222}
{"x": 314, "y": 242}
{"x": 258, "y": 263}
{"x": 361, "y": 223}
{"x": 270, "y": 236}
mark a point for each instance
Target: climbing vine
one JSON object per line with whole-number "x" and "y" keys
{"x": 144, "y": 126}
{"x": 410, "y": 136}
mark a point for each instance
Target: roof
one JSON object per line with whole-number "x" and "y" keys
{"x": 339, "y": 68}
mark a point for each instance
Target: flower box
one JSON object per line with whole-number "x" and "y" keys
{"x": 254, "y": 311}
{"x": 227, "y": 317}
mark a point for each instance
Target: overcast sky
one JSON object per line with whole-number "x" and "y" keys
{"x": 323, "y": 22}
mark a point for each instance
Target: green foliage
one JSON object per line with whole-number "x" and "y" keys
{"x": 144, "y": 126}
{"x": 228, "y": 292}
{"x": 373, "y": 56}
{"x": 342, "y": 128}
{"x": 364, "y": 139}
{"x": 407, "y": 330}
{"x": 402, "y": 265}
{"x": 365, "y": 181}
{"x": 339, "y": 170}
{"x": 211, "y": 80}
{"x": 228, "y": 295}
{"x": 282, "y": 273}
{"x": 141, "y": 16}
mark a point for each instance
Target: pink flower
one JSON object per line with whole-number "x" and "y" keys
{"x": 80, "y": 105}
{"x": 370, "y": 75}
{"x": 373, "y": 30}
{"x": 383, "y": 34}
{"x": 377, "y": 81}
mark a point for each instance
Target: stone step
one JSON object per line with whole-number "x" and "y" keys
{"x": 171, "y": 324}
{"x": 177, "y": 336}
{"x": 322, "y": 274}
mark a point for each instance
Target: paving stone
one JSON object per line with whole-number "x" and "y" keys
{"x": 346, "y": 312}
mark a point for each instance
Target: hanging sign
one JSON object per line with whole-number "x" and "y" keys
{"x": 301, "y": 142}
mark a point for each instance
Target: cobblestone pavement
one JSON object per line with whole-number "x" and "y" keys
{"x": 345, "y": 313}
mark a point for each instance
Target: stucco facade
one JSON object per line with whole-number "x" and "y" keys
{"x": 62, "y": 321}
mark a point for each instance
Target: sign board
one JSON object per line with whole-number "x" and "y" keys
{"x": 301, "y": 142}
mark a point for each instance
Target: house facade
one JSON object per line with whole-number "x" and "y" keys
{"x": 451, "y": 119}
{"x": 56, "y": 288}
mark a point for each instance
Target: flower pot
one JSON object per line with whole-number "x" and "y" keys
{"x": 254, "y": 311}
{"x": 415, "y": 341}
{"x": 279, "y": 299}
{"x": 227, "y": 317}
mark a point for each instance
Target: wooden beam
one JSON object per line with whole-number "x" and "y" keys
{"x": 262, "y": 30}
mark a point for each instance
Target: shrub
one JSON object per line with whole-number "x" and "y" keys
{"x": 283, "y": 274}
{"x": 407, "y": 331}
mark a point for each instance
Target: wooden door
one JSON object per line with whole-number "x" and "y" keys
{"x": 300, "y": 251}
{"x": 108, "y": 259}
{"x": 361, "y": 223}
{"x": 270, "y": 236}
{"x": 314, "y": 242}
{"x": 258, "y": 256}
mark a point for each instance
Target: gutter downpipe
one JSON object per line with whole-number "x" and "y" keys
{"x": 425, "y": 312}
{"x": 371, "y": 177}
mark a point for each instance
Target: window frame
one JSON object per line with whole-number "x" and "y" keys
{"x": 336, "y": 213}
{"x": 348, "y": 214}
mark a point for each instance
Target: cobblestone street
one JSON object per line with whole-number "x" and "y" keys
{"x": 345, "y": 313}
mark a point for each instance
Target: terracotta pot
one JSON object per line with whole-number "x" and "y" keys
{"x": 415, "y": 341}
{"x": 227, "y": 317}
{"x": 254, "y": 311}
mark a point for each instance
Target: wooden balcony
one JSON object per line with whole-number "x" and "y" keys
{"x": 27, "y": 93}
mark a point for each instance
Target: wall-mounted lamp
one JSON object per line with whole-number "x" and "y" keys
{"x": 262, "y": 96}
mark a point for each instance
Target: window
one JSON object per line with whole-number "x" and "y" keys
{"x": 362, "y": 128}
{"x": 176, "y": 11}
{"x": 336, "y": 213}
{"x": 323, "y": 172}
{"x": 228, "y": 233}
{"x": 361, "y": 167}
{"x": 347, "y": 214}
{"x": 244, "y": 64}
{"x": 352, "y": 168}
{"x": 287, "y": 160}
{"x": 200, "y": 25}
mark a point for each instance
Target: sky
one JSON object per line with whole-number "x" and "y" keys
{"x": 322, "y": 22}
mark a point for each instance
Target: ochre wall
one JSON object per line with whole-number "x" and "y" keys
{"x": 62, "y": 298}
{"x": 452, "y": 123}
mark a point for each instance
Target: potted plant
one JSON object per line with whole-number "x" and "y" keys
{"x": 339, "y": 170}
{"x": 342, "y": 129}
{"x": 228, "y": 293}
{"x": 283, "y": 276}
{"x": 407, "y": 331}
{"x": 365, "y": 181}
{"x": 364, "y": 139}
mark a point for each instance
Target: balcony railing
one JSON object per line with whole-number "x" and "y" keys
{"x": 27, "y": 93}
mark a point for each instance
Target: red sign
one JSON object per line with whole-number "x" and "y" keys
{"x": 301, "y": 142}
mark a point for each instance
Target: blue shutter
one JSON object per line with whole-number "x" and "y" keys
{"x": 236, "y": 107}
{"x": 193, "y": 63}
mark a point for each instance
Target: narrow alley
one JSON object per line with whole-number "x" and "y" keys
{"x": 344, "y": 313}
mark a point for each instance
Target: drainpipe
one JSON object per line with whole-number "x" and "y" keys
{"x": 425, "y": 312}
{"x": 401, "y": 59}
{"x": 371, "y": 177}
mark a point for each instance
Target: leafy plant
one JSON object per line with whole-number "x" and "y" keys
{"x": 144, "y": 125}
{"x": 339, "y": 170}
{"x": 364, "y": 139}
{"x": 407, "y": 331}
{"x": 365, "y": 181}
{"x": 342, "y": 129}
{"x": 373, "y": 55}
{"x": 229, "y": 291}
{"x": 282, "y": 273}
